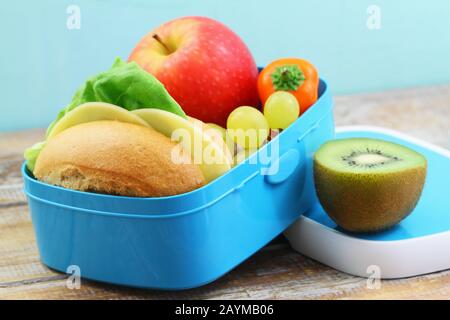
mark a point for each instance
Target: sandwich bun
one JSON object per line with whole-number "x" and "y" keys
{"x": 117, "y": 158}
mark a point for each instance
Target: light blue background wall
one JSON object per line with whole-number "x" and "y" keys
{"x": 42, "y": 62}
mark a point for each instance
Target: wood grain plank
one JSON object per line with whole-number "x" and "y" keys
{"x": 295, "y": 277}
{"x": 423, "y": 113}
{"x": 276, "y": 272}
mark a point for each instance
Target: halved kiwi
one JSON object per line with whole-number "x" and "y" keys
{"x": 368, "y": 185}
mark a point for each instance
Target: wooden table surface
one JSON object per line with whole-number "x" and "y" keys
{"x": 276, "y": 272}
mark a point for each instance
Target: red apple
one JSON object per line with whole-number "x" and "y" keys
{"x": 203, "y": 64}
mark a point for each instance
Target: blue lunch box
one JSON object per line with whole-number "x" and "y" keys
{"x": 187, "y": 240}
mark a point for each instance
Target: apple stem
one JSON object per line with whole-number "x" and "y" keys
{"x": 158, "y": 38}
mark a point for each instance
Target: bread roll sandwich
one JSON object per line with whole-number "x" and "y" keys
{"x": 116, "y": 158}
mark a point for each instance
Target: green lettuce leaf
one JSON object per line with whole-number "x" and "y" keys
{"x": 32, "y": 153}
{"x": 126, "y": 85}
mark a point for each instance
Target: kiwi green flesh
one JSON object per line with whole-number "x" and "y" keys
{"x": 364, "y": 155}
{"x": 363, "y": 197}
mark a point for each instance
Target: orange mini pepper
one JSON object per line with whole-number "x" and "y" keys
{"x": 294, "y": 75}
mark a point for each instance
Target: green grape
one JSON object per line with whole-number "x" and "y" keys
{"x": 248, "y": 127}
{"x": 281, "y": 109}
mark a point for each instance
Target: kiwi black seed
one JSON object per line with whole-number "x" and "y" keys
{"x": 368, "y": 185}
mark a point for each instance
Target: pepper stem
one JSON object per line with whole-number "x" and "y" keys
{"x": 287, "y": 78}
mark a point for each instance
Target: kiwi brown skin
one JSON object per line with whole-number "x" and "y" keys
{"x": 368, "y": 202}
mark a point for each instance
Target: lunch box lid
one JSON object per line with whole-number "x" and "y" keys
{"x": 419, "y": 244}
